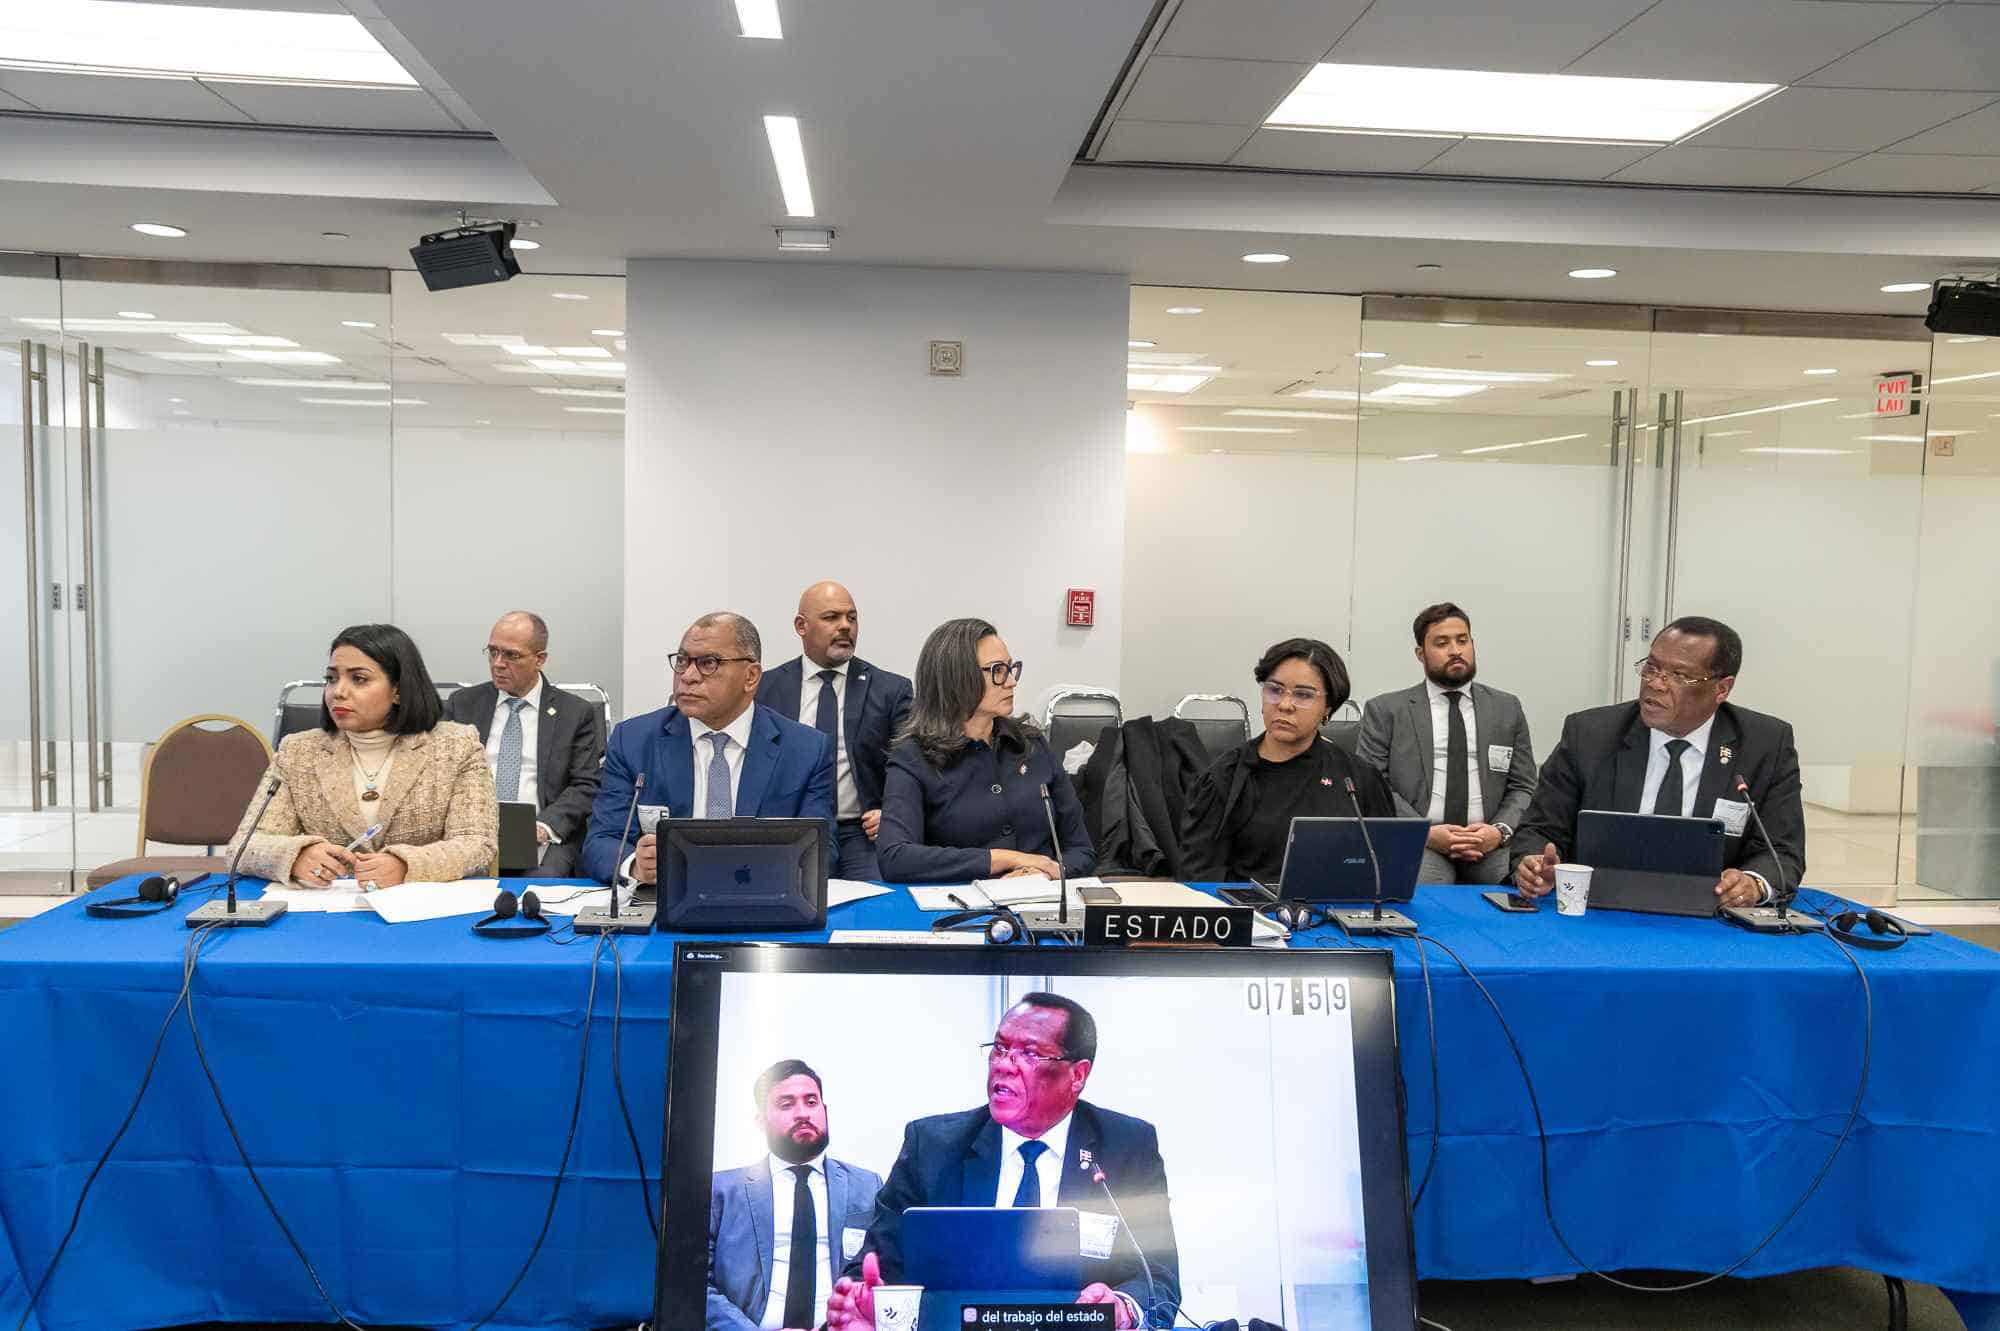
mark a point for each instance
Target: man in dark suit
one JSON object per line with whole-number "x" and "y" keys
{"x": 1453, "y": 751}
{"x": 714, "y": 754}
{"x": 781, "y": 1230}
{"x": 547, "y": 747}
{"x": 860, "y": 707}
{"x": 1035, "y": 1142}
{"x": 1679, "y": 749}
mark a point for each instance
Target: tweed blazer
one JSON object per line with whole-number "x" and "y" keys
{"x": 437, "y": 810}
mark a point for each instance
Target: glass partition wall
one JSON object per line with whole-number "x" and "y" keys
{"x": 234, "y": 462}
{"x": 1576, "y": 476}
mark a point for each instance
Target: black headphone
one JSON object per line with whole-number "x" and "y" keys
{"x": 155, "y": 895}
{"x": 506, "y": 906}
{"x": 1001, "y": 924}
{"x": 1885, "y": 932}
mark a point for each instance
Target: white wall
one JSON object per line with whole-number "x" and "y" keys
{"x": 783, "y": 427}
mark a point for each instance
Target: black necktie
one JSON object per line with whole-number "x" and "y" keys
{"x": 1668, "y": 801}
{"x": 1457, "y": 798}
{"x": 1030, "y": 1191}
{"x": 802, "y": 1285}
{"x": 827, "y": 720}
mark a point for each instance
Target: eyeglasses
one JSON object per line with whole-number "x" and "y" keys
{"x": 1002, "y": 672}
{"x": 1027, "y": 1058}
{"x": 507, "y": 655}
{"x": 1651, "y": 669}
{"x": 705, "y": 666}
{"x": 1275, "y": 693}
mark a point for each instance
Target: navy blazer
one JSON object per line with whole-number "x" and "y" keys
{"x": 954, "y": 1160}
{"x": 742, "y": 1235}
{"x": 787, "y": 773}
{"x": 875, "y": 708}
{"x": 938, "y": 823}
{"x": 569, "y": 747}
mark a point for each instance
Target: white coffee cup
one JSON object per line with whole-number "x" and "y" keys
{"x": 896, "y": 1307}
{"x": 1572, "y": 888}
{"x": 649, "y": 818}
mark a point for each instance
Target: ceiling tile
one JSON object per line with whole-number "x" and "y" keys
{"x": 1976, "y": 133}
{"x": 1693, "y": 165}
{"x": 1296, "y": 150}
{"x": 113, "y": 95}
{"x": 1535, "y": 161}
{"x": 1951, "y": 47}
{"x": 1259, "y": 29}
{"x": 1527, "y": 36}
{"x": 342, "y": 108}
{"x": 1154, "y": 141}
{"x": 1210, "y": 92}
{"x": 1757, "y": 41}
{"x": 1837, "y": 119}
{"x": 1909, "y": 171}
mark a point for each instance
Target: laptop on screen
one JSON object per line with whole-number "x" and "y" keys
{"x": 1326, "y": 859}
{"x": 986, "y": 1254}
{"x": 1661, "y": 865}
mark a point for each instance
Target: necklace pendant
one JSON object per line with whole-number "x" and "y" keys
{"x": 370, "y": 795}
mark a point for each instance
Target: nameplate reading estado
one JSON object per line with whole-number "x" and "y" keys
{"x": 1167, "y": 926}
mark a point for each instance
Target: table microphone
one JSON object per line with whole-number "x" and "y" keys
{"x": 639, "y": 918}
{"x": 1376, "y": 921}
{"x": 1055, "y": 921}
{"x": 1088, "y": 1164}
{"x": 250, "y": 912}
{"x": 1775, "y": 918}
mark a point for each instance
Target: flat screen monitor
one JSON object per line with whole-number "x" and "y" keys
{"x": 742, "y": 875}
{"x": 1224, "y": 1125}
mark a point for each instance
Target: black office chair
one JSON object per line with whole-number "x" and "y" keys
{"x": 1344, "y": 730}
{"x": 594, "y": 693}
{"x": 1220, "y": 720}
{"x": 301, "y": 712}
{"x": 1077, "y": 715}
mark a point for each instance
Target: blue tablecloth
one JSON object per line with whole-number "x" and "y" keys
{"x": 403, "y": 1091}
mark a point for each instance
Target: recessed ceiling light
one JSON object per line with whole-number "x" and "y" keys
{"x": 1429, "y": 268}
{"x": 759, "y": 18}
{"x": 183, "y": 41}
{"x": 817, "y": 240}
{"x": 1961, "y": 340}
{"x": 356, "y": 323}
{"x": 1448, "y": 375}
{"x": 1416, "y": 457}
{"x": 1279, "y": 413}
{"x": 235, "y": 340}
{"x": 333, "y": 235}
{"x": 1804, "y": 452}
{"x": 1525, "y": 443}
{"x": 365, "y": 401}
{"x": 788, "y": 155}
{"x": 1183, "y": 309}
{"x": 578, "y": 392}
{"x": 1139, "y": 343}
{"x": 1384, "y": 98}
{"x": 1898, "y": 288}
{"x": 1724, "y": 434}
{"x": 1267, "y": 257}
{"x": 1418, "y": 388}
{"x": 1823, "y": 371}
{"x": 1600, "y": 364}
{"x": 1890, "y": 438}
{"x": 518, "y": 244}
{"x": 1454, "y": 324}
{"x": 284, "y": 357}
{"x": 1238, "y": 429}
{"x": 176, "y": 400}
{"x": 597, "y": 411}
{"x": 141, "y": 314}
{"x": 569, "y": 295}
{"x": 482, "y": 421}
{"x": 1174, "y": 382}
{"x": 1371, "y": 355}
{"x": 160, "y": 229}
{"x": 607, "y": 332}
{"x": 344, "y": 385}
{"x": 1592, "y": 274}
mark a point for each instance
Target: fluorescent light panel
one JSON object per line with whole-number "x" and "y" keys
{"x": 1280, "y": 414}
{"x": 282, "y": 357}
{"x": 1238, "y": 429}
{"x": 759, "y": 18}
{"x": 1525, "y": 443}
{"x": 1163, "y": 383}
{"x": 1389, "y": 99}
{"x": 328, "y": 385}
{"x": 579, "y": 392}
{"x": 788, "y": 154}
{"x": 195, "y": 41}
{"x": 1439, "y": 374}
{"x": 1418, "y": 388}
{"x": 235, "y": 340}
{"x": 1803, "y": 452}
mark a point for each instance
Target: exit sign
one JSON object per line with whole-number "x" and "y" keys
{"x": 1899, "y": 394}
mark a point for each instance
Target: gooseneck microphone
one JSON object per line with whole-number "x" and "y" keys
{"x": 1775, "y": 918}
{"x": 1376, "y": 921}
{"x": 1062, "y": 869}
{"x": 1089, "y": 1165}
{"x": 250, "y": 912}
{"x": 637, "y": 920}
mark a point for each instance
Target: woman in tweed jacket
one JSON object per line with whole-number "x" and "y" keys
{"x": 384, "y": 756}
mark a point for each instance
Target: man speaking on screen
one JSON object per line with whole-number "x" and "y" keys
{"x": 1035, "y": 1142}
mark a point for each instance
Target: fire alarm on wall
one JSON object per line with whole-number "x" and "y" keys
{"x": 947, "y": 358}
{"x": 1082, "y": 603}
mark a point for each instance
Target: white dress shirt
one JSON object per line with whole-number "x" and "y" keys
{"x": 530, "y": 730}
{"x": 1048, "y": 1166}
{"x": 784, "y": 1184}
{"x": 733, "y": 752}
{"x": 1475, "y": 798}
{"x": 847, "y": 800}
{"x": 1692, "y": 759}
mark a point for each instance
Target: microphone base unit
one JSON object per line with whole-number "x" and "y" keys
{"x": 1046, "y": 922}
{"x": 1362, "y": 922}
{"x": 636, "y": 918}
{"x": 247, "y": 914}
{"x": 1768, "y": 920}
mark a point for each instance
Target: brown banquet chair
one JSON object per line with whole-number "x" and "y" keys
{"x": 196, "y": 784}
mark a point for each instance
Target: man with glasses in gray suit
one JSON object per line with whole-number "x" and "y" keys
{"x": 1453, "y": 751}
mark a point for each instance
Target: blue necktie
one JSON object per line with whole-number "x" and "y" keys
{"x": 507, "y": 770}
{"x": 1030, "y": 1191}
{"x": 720, "y": 803}
{"x": 827, "y": 720}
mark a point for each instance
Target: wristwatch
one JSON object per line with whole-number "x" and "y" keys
{"x": 1506, "y": 832}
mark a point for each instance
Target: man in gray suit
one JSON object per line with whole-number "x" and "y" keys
{"x": 1454, "y": 752}
{"x": 781, "y": 1230}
